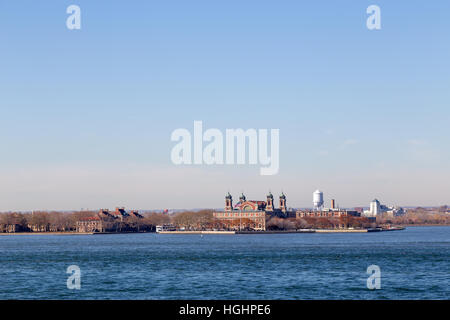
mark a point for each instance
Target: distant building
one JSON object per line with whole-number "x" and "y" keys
{"x": 90, "y": 224}
{"x": 39, "y": 228}
{"x": 10, "y": 228}
{"x": 376, "y": 209}
{"x": 326, "y": 213}
{"x": 319, "y": 210}
{"x": 395, "y": 211}
{"x": 119, "y": 213}
{"x": 98, "y": 223}
{"x": 250, "y": 214}
{"x": 135, "y": 214}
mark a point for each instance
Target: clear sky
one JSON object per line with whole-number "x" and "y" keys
{"x": 86, "y": 115}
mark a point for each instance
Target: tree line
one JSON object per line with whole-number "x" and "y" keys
{"x": 419, "y": 216}
{"x": 55, "y": 221}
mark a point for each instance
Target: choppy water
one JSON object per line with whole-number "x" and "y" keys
{"x": 414, "y": 264}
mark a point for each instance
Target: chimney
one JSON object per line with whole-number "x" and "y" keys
{"x": 333, "y": 204}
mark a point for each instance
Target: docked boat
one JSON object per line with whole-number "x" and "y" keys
{"x": 165, "y": 227}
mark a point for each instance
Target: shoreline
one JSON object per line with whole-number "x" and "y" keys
{"x": 288, "y": 231}
{"x": 69, "y": 233}
{"x": 45, "y": 233}
{"x": 320, "y": 231}
{"x": 425, "y": 225}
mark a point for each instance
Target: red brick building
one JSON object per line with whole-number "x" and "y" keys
{"x": 105, "y": 220}
{"x": 90, "y": 224}
{"x": 326, "y": 213}
{"x": 249, "y": 214}
{"x": 119, "y": 213}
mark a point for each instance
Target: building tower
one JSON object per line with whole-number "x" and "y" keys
{"x": 269, "y": 205}
{"x": 283, "y": 202}
{"x": 375, "y": 208}
{"x": 242, "y": 198}
{"x": 228, "y": 202}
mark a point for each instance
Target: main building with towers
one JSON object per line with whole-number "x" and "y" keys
{"x": 250, "y": 214}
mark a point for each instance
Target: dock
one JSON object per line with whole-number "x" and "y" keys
{"x": 197, "y": 232}
{"x": 287, "y": 231}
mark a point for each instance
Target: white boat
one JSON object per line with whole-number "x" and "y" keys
{"x": 165, "y": 227}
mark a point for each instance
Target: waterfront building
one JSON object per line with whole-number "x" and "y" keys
{"x": 326, "y": 213}
{"x": 320, "y": 212}
{"x": 104, "y": 218}
{"x": 377, "y": 209}
{"x": 119, "y": 213}
{"x": 39, "y": 228}
{"x": 10, "y": 228}
{"x": 250, "y": 214}
{"x": 374, "y": 209}
{"x": 90, "y": 224}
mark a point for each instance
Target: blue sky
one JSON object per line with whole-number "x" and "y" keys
{"x": 86, "y": 115}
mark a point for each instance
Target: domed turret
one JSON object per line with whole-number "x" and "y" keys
{"x": 269, "y": 204}
{"x": 283, "y": 202}
{"x": 228, "y": 202}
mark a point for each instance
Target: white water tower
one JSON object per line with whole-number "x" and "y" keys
{"x": 318, "y": 199}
